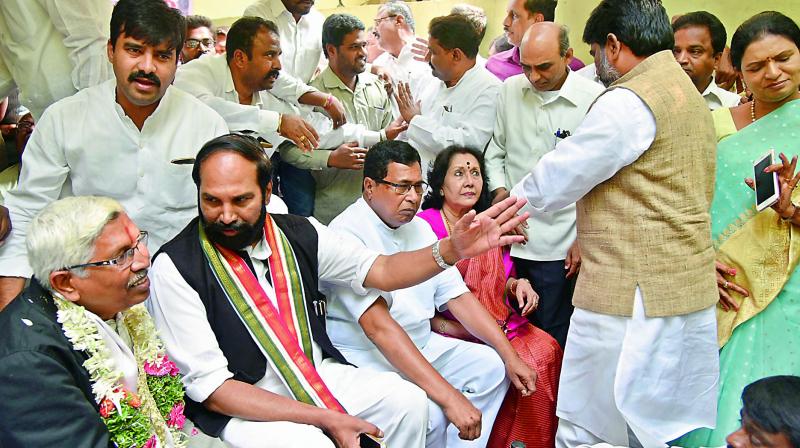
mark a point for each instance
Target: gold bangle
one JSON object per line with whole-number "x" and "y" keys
{"x": 280, "y": 120}
{"x": 443, "y": 327}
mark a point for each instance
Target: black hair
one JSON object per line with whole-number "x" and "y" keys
{"x": 336, "y": 27}
{"x": 243, "y": 32}
{"x": 758, "y": 26}
{"x": 376, "y": 164}
{"x": 642, "y": 25}
{"x": 547, "y": 8}
{"x": 437, "y": 173}
{"x": 455, "y": 31}
{"x": 198, "y": 21}
{"x": 246, "y": 146}
{"x": 719, "y": 37}
{"x": 150, "y": 21}
{"x": 772, "y": 403}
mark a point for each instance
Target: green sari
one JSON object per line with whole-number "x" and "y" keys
{"x": 763, "y": 337}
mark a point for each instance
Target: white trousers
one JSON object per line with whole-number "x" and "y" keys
{"x": 384, "y": 399}
{"x": 655, "y": 378}
{"x": 474, "y": 369}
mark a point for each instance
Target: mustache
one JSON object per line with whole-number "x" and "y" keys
{"x": 138, "y": 277}
{"x": 149, "y": 76}
{"x": 274, "y": 73}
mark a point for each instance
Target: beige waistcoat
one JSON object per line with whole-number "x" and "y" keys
{"x": 649, "y": 225}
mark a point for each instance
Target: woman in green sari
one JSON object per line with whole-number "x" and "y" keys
{"x": 757, "y": 252}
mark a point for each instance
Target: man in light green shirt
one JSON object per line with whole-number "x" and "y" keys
{"x": 339, "y": 172}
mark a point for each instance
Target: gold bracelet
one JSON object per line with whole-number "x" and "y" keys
{"x": 443, "y": 327}
{"x": 280, "y": 120}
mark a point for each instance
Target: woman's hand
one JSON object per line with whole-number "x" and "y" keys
{"x": 726, "y": 302}
{"x": 787, "y": 181}
{"x": 526, "y": 297}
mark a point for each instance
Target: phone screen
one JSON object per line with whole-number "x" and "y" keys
{"x": 765, "y": 185}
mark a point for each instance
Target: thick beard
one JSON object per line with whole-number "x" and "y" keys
{"x": 606, "y": 72}
{"x": 247, "y": 233}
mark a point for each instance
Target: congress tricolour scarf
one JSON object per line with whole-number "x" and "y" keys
{"x": 282, "y": 334}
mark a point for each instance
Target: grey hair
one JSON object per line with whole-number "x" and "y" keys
{"x": 399, "y": 8}
{"x": 563, "y": 39}
{"x": 64, "y": 234}
{"x": 475, "y": 15}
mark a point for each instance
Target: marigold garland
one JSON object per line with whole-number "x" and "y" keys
{"x": 133, "y": 420}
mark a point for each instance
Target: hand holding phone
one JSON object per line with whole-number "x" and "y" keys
{"x": 766, "y": 184}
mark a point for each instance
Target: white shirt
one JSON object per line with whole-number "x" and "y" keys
{"x": 459, "y": 115}
{"x": 407, "y": 69}
{"x": 412, "y": 307}
{"x": 716, "y": 97}
{"x": 54, "y": 48}
{"x": 181, "y": 319}
{"x": 209, "y": 79}
{"x": 301, "y": 46}
{"x": 86, "y": 145}
{"x": 524, "y": 130}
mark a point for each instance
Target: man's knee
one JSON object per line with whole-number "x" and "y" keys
{"x": 409, "y": 401}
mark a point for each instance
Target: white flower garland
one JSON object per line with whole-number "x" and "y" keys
{"x": 106, "y": 378}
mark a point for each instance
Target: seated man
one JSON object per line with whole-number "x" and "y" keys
{"x": 235, "y": 297}
{"x": 199, "y": 40}
{"x": 76, "y": 346}
{"x": 769, "y": 414}
{"x": 460, "y": 110}
{"x": 369, "y": 335}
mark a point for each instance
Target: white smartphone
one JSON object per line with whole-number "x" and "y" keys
{"x": 766, "y": 183}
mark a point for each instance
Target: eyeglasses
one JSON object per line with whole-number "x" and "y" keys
{"x": 121, "y": 262}
{"x": 194, "y": 43}
{"x": 403, "y": 189}
{"x": 380, "y": 19}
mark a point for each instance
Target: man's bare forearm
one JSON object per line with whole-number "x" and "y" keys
{"x": 405, "y": 269}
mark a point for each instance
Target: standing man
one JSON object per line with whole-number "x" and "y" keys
{"x": 462, "y": 108}
{"x": 365, "y": 102}
{"x": 534, "y": 112}
{"x": 131, "y": 131}
{"x": 52, "y": 49}
{"x": 521, "y": 14}
{"x": 235, "y": 295}
{"x": 300, "y": 28}
{"x": 641, "y": 167}
{"x": 199, "y": 40}
{"x": 699, "y": 43}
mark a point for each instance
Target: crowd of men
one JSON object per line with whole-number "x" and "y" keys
{"x": 261, "y": 164}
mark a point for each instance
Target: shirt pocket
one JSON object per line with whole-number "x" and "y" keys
{"x": 172, "y": 186}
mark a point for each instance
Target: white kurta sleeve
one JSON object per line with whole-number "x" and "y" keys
{"x": 343, "y": 260}
{"x": 449, "y": 285}
{"x": 6, "y": 80}
{"x": 495, "y": 155}
{"x": 439, "y": 128}
{"x": 44, "y": 172}
{"x": 194, "y": 79}
{"x": 83, "y": 25}
{"x": 617, "y": 130}
{"x": 180, "y": 318}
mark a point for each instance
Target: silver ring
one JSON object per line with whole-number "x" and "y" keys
{"x": 725, "y": 285}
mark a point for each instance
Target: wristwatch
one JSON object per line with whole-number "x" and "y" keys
{"x": 437, "y": 257}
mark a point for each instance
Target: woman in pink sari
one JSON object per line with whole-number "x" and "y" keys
{"x": 457, "y": 185}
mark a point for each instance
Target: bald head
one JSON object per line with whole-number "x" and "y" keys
{"x": 545, "y": 54}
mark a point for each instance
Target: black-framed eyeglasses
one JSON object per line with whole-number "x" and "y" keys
{"x": 194, "y": 43}
{"x": 123, "y": 261}
{"x": 403, "y": 189}
{"x": 381, "y": 19}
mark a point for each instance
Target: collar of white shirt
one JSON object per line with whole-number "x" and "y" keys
{"x": 568, "y": 90}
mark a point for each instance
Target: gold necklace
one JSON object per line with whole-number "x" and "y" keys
{"x": 446, "y": 221}
{"x": 753, "y": 110}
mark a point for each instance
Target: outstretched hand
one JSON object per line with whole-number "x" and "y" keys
{"x": 474, "y": 234}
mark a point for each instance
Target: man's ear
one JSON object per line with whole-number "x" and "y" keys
{"x": 458, "y": 55}
{"x": 61, "y": 282}
{"x": 331, "y": 50}
{"x": 613, "y": 47}
{"x": 239, "y": 58}
{"x": 538, "y": 17}
{"x": 369, "y": 187}
{"x": 268, "y": 192}
{"x": 568, "y": 57}
{"x": 110, "y": 50}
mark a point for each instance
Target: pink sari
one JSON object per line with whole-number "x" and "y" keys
{"x": 532, "y": 419}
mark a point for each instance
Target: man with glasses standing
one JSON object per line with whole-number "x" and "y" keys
{"x": 128, "y": 138}
{"x": 199, "y": 39}
{"x": 465, "y": 382}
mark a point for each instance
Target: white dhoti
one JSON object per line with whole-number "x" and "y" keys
{"x": 656, "y": 378}
{"x": 384, "y": 399}
{"x": 474, "y": 369}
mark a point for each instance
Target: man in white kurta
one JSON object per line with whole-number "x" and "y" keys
{"x": 530, "y": 112}
{"x": 461, "y": 109}
{"x": 53, "y": 49}
{"x": 476, "y": 370}
{"x": 90, "y": 144}
{"x": 625, "y": 380}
